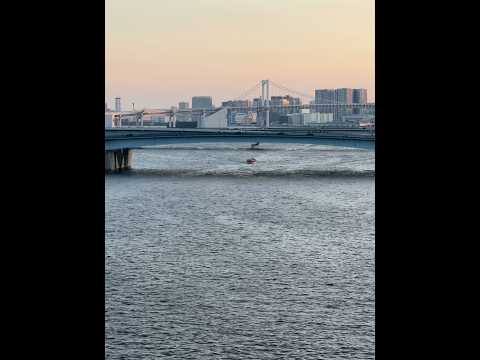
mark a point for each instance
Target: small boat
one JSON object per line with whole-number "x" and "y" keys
{"x": 251, "y": 161}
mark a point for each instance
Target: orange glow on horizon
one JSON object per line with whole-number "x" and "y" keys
{"x": 161, "y": 52}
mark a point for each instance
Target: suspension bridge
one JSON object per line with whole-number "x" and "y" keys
{"x": 262, "y": 106}
{"x": 119, "y": 141}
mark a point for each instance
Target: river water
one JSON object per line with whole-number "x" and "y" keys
{"x": 210, "y": 258}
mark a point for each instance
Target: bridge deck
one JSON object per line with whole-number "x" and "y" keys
{"x": 121, "y": 138}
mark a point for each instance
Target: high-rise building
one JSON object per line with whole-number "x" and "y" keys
{"x": 359, "y": 96}
{"x": 292, "y": 101}
{"x": 183, "y": 105}
{"x": 287, "y": 100}
{"x": 118, "y": 104}
{"x": 324, "y": 96}
{"x": 202, "y": 102}
{"x": 236, "y": 103}
{"x": 344, "y": 96}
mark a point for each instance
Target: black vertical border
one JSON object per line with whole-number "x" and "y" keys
{"x": 53, "y": 143}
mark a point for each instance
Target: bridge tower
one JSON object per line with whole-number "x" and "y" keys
{"x": 266, "y": 101}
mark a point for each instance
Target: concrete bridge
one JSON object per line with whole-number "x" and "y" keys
{"x": 119, "y": 142}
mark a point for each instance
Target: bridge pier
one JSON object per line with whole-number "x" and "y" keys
{"x": 118, "y": 160}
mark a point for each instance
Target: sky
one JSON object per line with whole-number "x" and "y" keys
{"x": 161, "y": 52}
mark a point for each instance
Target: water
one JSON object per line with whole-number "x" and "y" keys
{"x": 210, "y": 258}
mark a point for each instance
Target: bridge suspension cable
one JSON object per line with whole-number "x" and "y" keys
{"x": 284, "y": 88}
{"x": 249, "y": 91}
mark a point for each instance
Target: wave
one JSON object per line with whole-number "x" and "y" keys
{"x": 319, "y": 148}
{"x": 217, "y": 148}
{"x": 322, "y": 173}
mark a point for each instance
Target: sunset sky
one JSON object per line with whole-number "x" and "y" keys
{"x": 160, "y": 52}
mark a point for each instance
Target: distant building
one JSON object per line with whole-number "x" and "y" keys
{"x": 359, "y": 96}
{"x": 340, "y": 96}
{"x": 278, "y": 101}
{"x": 287, "y": 100}
{"x": 295, "y": 119}
{"x": 276, "y": 120}
{"x": 245, "y": 119}
{"x": 109, "y": 121}
{"x": 238, "y": 115}
{"x": 202, "y": 102}
{"x": 216, "y": 120}
{"x": 292, "y": 101}
{"x": 257, "y": 102}
{"x": 183, "y": 105}
{"x": 236, "y": 103}
{"x": 309, "y": 119}
{"x": 118, "y": 104}
{"x": 158, "y": 120}
{"x": 344, "y": 96}
{"x": 184, "y": 117}
{"x": 128, "y": 119}
{"x": 324, "y": 96}
{"x": 315, "y": 119}
{"x": 370, "y": 109}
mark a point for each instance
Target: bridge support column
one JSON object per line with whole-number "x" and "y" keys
{"x": 118, "y": 160}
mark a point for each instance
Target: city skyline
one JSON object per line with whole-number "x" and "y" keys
{"x": 322, "y": 96}
{"x": 159, "y": 53}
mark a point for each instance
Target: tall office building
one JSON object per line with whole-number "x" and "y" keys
{"x": 344, "y": 96}
{"x": 278, "y": 103}
{"x": 359, "y": 96}
{"x": 324, "y": 96}
{"x": 202, "y": 102}
{"x": 118, "y": 104}
{"x": 286, "y": 100}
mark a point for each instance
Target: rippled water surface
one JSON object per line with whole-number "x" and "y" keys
{"x": 210, "y": 258}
